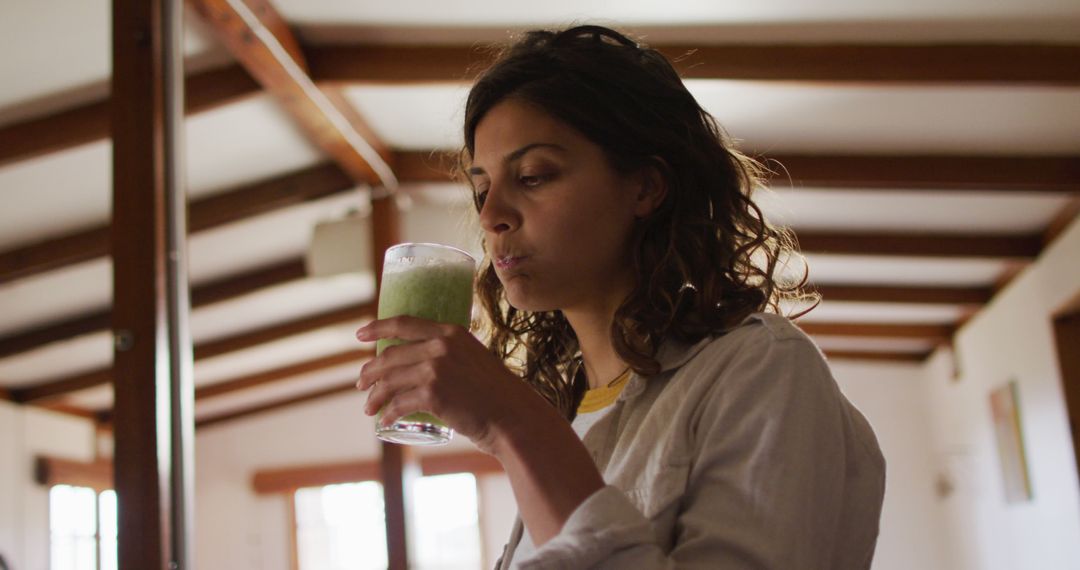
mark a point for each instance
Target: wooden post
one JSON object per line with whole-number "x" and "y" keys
{"x": 392, "y": 470}
{"x": 152, "y": 356}
{"x": 385, "y": 229}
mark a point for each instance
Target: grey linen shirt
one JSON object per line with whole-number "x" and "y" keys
{"x": 740, "y": 453}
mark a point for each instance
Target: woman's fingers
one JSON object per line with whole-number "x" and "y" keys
{"x": 405, "y": 328}
{"x": 400, "y": 356}
{"x": 441, "y": 369}
{"x": 404, "y": 404}
{"x": 398, "y": 381}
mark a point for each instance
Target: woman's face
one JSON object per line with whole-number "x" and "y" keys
{"x": 557, "y": 217}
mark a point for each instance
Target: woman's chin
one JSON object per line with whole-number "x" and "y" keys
{"x": 523, "y": 300}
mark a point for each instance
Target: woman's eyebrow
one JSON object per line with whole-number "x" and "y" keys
{"x": 517, "y": 154}
{"x": 531, "y": 146}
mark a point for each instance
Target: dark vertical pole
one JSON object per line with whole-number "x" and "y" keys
{"x": 385, "y": 229}
{"x": 151, "y": 361}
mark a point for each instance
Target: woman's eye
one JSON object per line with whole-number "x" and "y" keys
{"x": 531, "y": 180}
{"x": 480, "y": 197}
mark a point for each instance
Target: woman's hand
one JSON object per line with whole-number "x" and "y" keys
{"x": 443, "y": 370}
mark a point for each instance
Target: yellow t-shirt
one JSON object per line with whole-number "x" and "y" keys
{"x": 599, "y": 398}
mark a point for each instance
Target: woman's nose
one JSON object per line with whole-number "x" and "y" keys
{"x": 496, "y": 214}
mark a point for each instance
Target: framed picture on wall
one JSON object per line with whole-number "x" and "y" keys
{"x": 1005, "y": 411}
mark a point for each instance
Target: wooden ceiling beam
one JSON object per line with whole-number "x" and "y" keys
{"x": 201, "y": 295}
{"x": 104, "y": 417}
{"x": 351, "y": 313}
{"x": 896, "y": 294}
{"x": 283, "y": 373}
{"x": 238, "y": 285}
{"x": 395, "y": 64}
{"x": 71, "y": 410}
{"x": 54, "y": 253}
{"x": 343, "y": 388}
{"x": 55, "y": 388}
{"x": 937, "y": 245}
{"x": 29, "y": 339}
{"x": 89, "y": 123}
{"x": 292, "y": 270}
{"x": 1057, "y": 174}
{"x": 241, "y": 203}
{"x": 440, "y": 468}
{"x": 974, "y": 63}
{"x": 878, "y": 356}
{"x": 257, "y": 36}
{"x": 934, "y": 333}
{"x": 261, "y": 378}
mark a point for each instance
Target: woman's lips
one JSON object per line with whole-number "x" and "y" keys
{"x": 508, "y": 262}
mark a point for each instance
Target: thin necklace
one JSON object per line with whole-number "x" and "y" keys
{"x": 619, "y": 377}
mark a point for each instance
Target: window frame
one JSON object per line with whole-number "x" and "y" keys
{"x": 286, "y": 481}
{"x": 96, "y": 475}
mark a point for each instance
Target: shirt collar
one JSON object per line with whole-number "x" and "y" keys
{"x": 671, "y": 355}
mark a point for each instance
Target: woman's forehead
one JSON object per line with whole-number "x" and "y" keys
{"x": 512, "y": 128}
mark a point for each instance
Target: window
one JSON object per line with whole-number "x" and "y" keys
{"x": 82, "y": 528}
{"x": 445, "y": 523}
{"x": 343, "y": 526}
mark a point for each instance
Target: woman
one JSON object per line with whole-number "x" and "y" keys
{"x": 626, "y": 285}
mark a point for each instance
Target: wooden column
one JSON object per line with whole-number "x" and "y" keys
{"x": 394, "y": 465}
{"x": 152, "y": 357}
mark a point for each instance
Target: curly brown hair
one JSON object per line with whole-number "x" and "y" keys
{"x": 704, "y": 260}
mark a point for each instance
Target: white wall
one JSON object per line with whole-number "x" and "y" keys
{"x": 891, "y": 398}
{"x": 234, "y": 527}
{"x": 26, "y": 433}
{"x": 1012, "y": 339}
{"x": 497, "y": 513}
{"x": 237, "y": 529}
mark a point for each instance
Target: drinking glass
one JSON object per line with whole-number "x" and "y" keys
{"x": 430, "y": 281}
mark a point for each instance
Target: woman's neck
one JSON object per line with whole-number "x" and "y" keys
{"x": 593, "y": 331}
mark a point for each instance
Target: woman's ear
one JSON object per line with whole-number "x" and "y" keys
{"x": 653, "y": 188}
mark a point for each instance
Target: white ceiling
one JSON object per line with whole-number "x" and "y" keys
{"x": 60, "y": 51}
{"x": 253, "y": 139}
{"x": 914, "y": 271}
{"x": 911, "y": 211}
{"x": 51, "y": 296}
{"x": 791, "y": 117}
{"x": 451, "y": 13}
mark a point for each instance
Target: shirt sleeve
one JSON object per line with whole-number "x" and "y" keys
{"x": 766, "y": 486}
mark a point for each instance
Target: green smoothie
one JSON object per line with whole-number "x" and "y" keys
{"x": 440, "y": 292}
